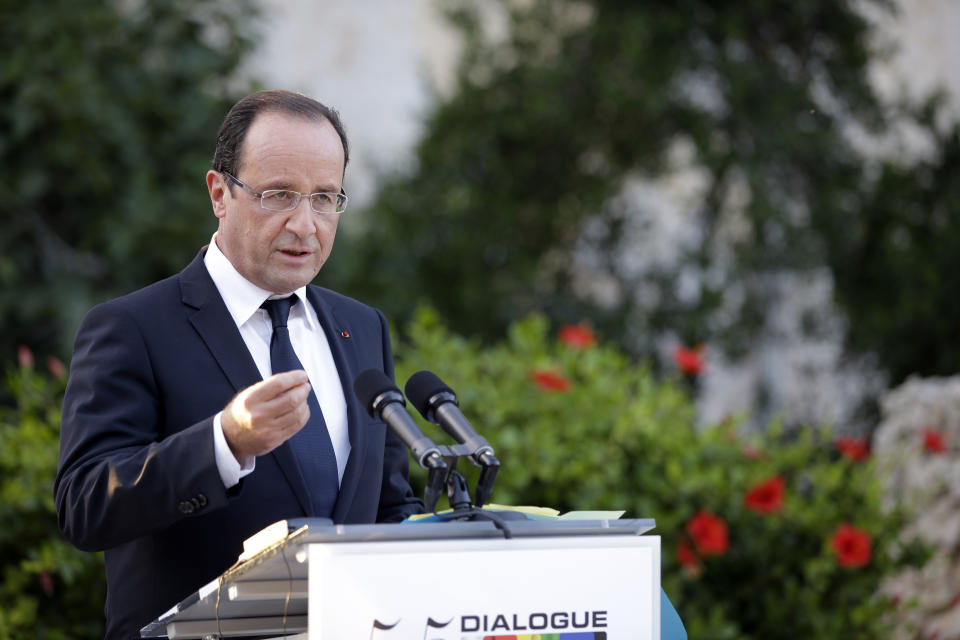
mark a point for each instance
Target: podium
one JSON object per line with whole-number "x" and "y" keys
{"x": 313, "y": 580}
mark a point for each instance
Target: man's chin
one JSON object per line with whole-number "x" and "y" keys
{"x": 290, "y": 281}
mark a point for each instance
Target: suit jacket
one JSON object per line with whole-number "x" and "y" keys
{"x": 137, "y": 476}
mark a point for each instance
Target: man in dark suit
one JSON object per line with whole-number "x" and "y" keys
{"x": 183, "y": 433}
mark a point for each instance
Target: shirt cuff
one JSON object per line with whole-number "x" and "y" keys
{"x": 231, "y": 471}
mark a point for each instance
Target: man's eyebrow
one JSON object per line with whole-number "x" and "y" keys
{"x": 277, "y": 184}
{"x": 289, "y": 186}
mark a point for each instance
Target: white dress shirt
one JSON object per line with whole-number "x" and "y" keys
{"x": 243, "y": 300}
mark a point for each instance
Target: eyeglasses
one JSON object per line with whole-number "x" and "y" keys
{"x": 287, "y": 200}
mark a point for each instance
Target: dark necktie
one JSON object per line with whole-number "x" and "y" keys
{"x": 311, "y": 445}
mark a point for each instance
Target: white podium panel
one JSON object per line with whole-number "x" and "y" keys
{"x": 569, "y": 588}
{"x": 524, "y": 579}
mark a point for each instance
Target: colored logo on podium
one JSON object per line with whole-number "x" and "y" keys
{"x": 575, "y": 635}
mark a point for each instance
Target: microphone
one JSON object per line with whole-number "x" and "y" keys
{"x": 382, "y": 399}
{"x": 438, "y": 404}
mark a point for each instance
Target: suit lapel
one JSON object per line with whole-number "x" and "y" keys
{"x": 218, "y": 331}
{"x": 345, "y": 356}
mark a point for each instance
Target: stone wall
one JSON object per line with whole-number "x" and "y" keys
{"x": 918, "y": 445}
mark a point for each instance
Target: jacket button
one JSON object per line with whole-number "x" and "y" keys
{"x": 186, "y": 508}
{"x": 202, "y": 499}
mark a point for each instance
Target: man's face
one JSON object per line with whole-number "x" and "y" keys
{"x": 279, "y": 251}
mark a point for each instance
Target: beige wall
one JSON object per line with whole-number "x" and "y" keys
{"x": 377, "y": 61}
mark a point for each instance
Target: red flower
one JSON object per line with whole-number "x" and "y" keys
{"x": 550, "y": 381}
{"x": 56, "y": 367}
{"x": 690, "y": 361}
{"x": 933, "y": 441}
{"x": 709, "y": 533}
{"x": 851, "y": 546}
{"x": 750, "y": 451}
{"x": 577, "y": 336}
{"x": 46, "y": 581}
{"x": 25, "y": 357}
{"x": 855, "y": 449}
{"x": 686, "y": 556}
{"x": 766, "y": 497}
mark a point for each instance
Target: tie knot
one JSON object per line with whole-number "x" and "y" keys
{"x": 279, "y": 310}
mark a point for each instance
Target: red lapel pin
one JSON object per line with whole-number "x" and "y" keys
{"x": 345, "y": 334}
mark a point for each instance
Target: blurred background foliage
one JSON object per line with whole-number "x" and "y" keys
{"x": 522, "y": 193}
{"x": 519, "y": 198}
{"x": 578, "y": 426}
{"x": 48, "y": 588}
{"x": 529, "y": 192}
{"x": 108, "y": 118}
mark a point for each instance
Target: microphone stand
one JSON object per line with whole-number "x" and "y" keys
{"x": 458, "y": 493}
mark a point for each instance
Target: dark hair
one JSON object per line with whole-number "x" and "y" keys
{"x": 234, "y": 128}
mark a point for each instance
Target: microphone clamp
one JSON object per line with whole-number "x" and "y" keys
{"x": 435, "y": 401}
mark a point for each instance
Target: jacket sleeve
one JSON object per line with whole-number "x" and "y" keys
{"x": 120, "y": 475}
{"x": 397, "y": 500}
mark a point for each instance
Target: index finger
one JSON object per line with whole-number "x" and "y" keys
{"x": 278, "y": 384}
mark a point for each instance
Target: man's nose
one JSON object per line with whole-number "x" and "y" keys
{"x": 301, "y": 220}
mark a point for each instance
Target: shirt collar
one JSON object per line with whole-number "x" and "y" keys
{"x": 241, "y": 296}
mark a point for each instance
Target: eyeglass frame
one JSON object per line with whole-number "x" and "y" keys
{"x": 296, "y": 203}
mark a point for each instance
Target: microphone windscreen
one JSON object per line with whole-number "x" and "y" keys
{"x": 370, "y": 384}
{"x": 422, "y": 386}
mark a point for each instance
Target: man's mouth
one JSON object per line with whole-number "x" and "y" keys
{"x": 293, "y": 252}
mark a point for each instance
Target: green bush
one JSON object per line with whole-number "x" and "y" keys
{"x": 49, "y": 589}
{"x": 581, "y": 426}
{"x": 577, "y": 426}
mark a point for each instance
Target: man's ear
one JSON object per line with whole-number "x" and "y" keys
{"x": 218, "y": 192}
